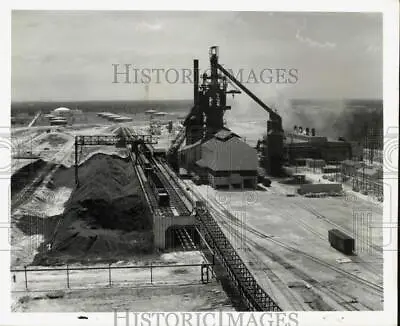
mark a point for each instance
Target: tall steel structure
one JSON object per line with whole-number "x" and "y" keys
{"x": 206, "y": 117}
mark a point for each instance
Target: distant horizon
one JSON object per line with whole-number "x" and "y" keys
{"x": 188, "y": 100}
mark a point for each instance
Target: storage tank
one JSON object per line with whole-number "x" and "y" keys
{"x": 58, "y": 122}
{"x": 62, "y": 111}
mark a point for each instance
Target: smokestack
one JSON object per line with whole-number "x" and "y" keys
{"x": 312, "y": 131}
{"x": 307, "y": 131}
{"x": 196, "y": 82}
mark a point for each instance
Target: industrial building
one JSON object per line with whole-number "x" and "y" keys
{"x": 114, "y": 117}
{"x": 223, "y": 161}
{"x": 153, "y": 211}
{"x": 123, "y": 119}
{"x": 217, "y": 155}
{"x": 298, "y": 145}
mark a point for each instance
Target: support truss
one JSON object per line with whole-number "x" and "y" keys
{"x": 253, "y": 296}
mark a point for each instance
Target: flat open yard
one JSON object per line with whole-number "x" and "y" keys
{"x": 284, "y": 241}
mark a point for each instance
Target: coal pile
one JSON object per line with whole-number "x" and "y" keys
{"x": 106, "y": 217}
{"x": 118, "y": 213}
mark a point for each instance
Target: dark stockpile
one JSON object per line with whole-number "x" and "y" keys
{"x": 109, "y": 195}
{"x": 105, "y": 219}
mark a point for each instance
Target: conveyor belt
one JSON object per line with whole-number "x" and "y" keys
{"x": 177, "y": 206}
{"x": 175, "y": 195}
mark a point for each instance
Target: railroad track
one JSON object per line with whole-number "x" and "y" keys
{"x": 49, "y": 169}
{"x": 29, "y": 189}
{"x": 376, "y": 248}
{"x": 174, "y": 186}
{"x": 185, "y": 239}
{"x": 170, "y": 184}
{"x": 305, "y": 226}
{"x": 238, "y": 223}
{"x": 272, "y": 278}
{"x": 376, "y": 288}
{"x": 175, "y": 199}
{"x": 371, "y": 285}
{"x": 331, "y": 293}
{"x": 342, "y": 299}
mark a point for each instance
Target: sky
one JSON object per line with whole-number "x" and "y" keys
{"x": 69, "y": 55}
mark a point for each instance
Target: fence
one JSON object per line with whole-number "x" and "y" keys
{"x": 84, "y": 277}
{"x": 363, "y": 183}
{"x": 359, "y": 181}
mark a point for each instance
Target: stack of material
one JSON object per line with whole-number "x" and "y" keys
{"x": 315, "y": 164}
{"x": 300, "y": 161}
{"x": 331, "y": 169}
{"x": 106, "y": 216}
{"x": 328, "y": 188}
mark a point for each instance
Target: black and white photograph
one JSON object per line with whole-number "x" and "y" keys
{"x": 221, "y": 161}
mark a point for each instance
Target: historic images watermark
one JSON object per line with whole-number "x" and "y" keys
{"x": 367, "y": 229}
{"x": 362, "y": 232}
{"x": 5, "y": 172}
{"x": 219, "y": 318}
{"x": 391, "y": 153}
{"x": 5, "y": 148}
{"x": 129, "y": 74}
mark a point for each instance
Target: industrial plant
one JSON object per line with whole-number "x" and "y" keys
{"x": 113, "y": 203}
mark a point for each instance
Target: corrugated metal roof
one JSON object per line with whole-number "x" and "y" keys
{"x": 186, "y": 147}
{"x": 228, "y": 155}
{"x": 202, "y": 163}
{"x": 225, "y": 134}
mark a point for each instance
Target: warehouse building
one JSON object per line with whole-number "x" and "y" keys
{"x": 307, "y": 146}
{"x": 224, "y": 161}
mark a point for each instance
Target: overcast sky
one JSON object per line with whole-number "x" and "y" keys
{"x": 69, "y": 55}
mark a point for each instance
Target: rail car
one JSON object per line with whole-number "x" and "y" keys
{"x": 158, "y": 188}
{"x": 341, "y": 241}
{"x": 146, "y": 150}
{"x": 146, "y": 165}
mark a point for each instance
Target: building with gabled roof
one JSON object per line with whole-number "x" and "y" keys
{"x": 225, "y": 160}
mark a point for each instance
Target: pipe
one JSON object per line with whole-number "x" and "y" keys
{"x": 273, "y": 115}
{"x": 196, "y": 82}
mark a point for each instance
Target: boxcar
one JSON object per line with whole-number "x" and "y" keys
{"x": 158, "y": 188}
{"x": 163, "y": 198}
{"x": 341, "y": 241}
{"x": 145, "y": 165}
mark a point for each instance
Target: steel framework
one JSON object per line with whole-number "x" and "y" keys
{"x": 253, "y": 296}
{"x": 109, "y": 140}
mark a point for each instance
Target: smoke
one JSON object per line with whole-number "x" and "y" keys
{"x": 323, "y": 116}
{"x": 330, "y": 118}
